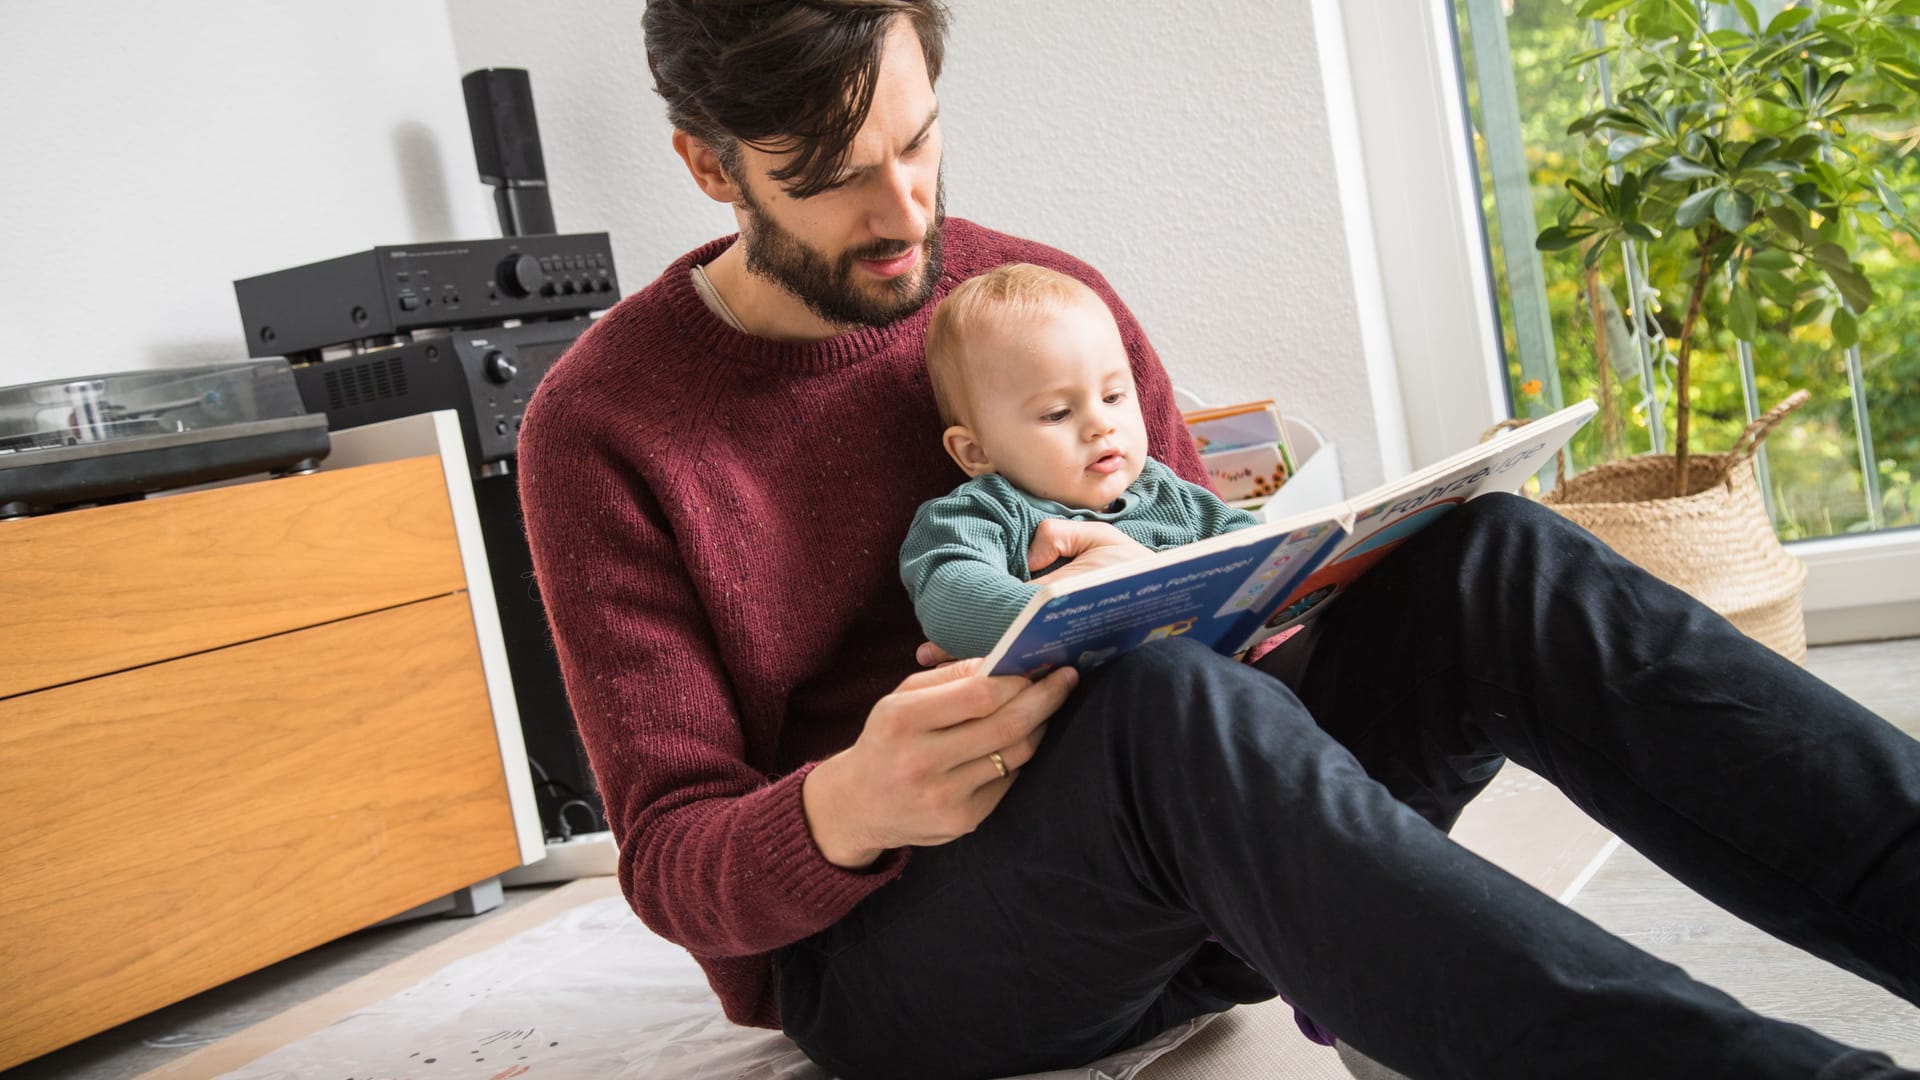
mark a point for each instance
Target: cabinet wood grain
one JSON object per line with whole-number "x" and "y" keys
{"x": 94, "y": 591}
{"x": 175, "y": 826}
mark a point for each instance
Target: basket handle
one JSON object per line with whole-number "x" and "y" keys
{"x": 1559, "y": 456}
{"x": 1749, "y": 441}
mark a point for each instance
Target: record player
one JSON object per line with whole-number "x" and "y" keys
{"x": 107, "y": 438}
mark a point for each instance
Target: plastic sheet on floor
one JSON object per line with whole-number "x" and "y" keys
{"x": 589, "y": 993}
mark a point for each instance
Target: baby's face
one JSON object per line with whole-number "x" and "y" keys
{"x": 1054, "y": 406}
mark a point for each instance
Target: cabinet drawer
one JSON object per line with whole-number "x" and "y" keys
{"x": 89, "y": 592}
{"x": 174, "y": 826}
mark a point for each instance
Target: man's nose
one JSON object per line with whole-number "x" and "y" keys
{"x": 898, "y": 213}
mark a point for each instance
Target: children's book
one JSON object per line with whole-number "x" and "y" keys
{"x": 1234, "y": 590}
{"x": 1243, "y": 448}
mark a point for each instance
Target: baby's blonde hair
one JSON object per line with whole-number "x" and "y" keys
{"x": 1009, "y": 291}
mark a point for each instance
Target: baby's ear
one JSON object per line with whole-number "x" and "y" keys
{"x": 965, "y": 451}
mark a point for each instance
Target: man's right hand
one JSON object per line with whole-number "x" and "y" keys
{"x": 920, "y": 774}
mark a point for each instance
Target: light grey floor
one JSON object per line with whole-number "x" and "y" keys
{"x": 1628, "y": 896}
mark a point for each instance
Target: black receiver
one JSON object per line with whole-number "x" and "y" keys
{"x": 401, "y": 288}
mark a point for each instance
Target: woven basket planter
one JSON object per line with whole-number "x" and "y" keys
{"x": 1716, "y": 542}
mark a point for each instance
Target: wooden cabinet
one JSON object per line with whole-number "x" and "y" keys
{"x": 240, "y": 722}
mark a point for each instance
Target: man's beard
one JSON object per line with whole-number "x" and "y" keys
{"x": 826, "y": 284}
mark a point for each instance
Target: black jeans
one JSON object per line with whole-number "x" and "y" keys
{"x": 1298, "y": 814}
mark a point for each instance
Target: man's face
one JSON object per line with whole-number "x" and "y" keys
{"x": 1052, "y": 404}
{"x": 866, "y": 251}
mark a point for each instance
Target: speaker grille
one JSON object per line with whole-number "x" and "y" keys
{"x": 364, "y": 384}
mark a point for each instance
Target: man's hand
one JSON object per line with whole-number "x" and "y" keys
{"x": 1089, "y": 544}
{"x": 920, "y": 774}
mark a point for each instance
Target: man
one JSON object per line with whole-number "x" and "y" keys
{"x": 941, "y": 874}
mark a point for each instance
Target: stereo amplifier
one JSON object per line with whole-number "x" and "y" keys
{"x": 388, "y": 291}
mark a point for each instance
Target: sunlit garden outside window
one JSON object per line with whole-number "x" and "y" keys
{"x": 1773, "y": 320}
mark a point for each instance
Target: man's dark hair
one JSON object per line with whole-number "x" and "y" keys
{"x": 779, "y": 75}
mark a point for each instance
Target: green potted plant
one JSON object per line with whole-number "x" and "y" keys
{"x": 1742, "y": 148}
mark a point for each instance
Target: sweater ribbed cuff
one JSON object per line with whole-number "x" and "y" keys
{"x": 820, "y": 892}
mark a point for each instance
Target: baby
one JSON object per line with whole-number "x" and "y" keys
{"x": 1033, "y": 380}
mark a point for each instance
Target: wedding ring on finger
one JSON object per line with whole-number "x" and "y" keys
{"x": 998, "y": 763}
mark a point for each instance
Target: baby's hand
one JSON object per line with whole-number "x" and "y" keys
{"x": 931, "y": 655}
{"x": 1089, "y": 545}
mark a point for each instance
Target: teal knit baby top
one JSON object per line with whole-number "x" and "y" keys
{"x": 965, "y": 558}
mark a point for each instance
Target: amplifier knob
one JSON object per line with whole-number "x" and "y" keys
{"x": 521, "y": 276}
{"x": 499, "y": 367}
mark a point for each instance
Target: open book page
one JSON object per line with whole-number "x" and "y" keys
{"x": 1384, "y": 517}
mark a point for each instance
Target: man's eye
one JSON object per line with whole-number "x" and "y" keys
{"x": 1054, "y": 417}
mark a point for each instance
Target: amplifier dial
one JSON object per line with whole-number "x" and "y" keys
{"x": 500, "y": 367}
{"x": 521, "y": 276}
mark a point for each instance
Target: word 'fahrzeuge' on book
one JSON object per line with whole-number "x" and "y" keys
{"x": 1234, "y": 590}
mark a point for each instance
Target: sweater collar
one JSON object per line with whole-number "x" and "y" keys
{"x": 827, "y": 354}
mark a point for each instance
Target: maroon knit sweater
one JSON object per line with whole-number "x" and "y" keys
{"x": 716, "y": 521}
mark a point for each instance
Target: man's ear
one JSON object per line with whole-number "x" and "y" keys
{"x": 965, "y": 451}
{"x": 703, "y": 161}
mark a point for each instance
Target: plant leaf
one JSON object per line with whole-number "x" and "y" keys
{"x": 1600, "y": 9}
{"x": 1773, "y": 285}
{"x": 1787, "y": 20}
{"x": 1902, "y": 72}
{"x": 1560, "y": 237}
{"x": 1733, "y": 210}
{"x": 1802, "y": 147}
{"x": 1808, "y": 312}
{"x": 1747, "y": 14}
{"x": 1680, "y": 168}
{"x": 1756, "y": 152}
{"x": 1830, "y": 88}
{"x": 1889, "y": 198}
{"x": 1846, "y": 329}
{"x": 1593, "y": 253}
{"x": 1832, "y": 256}
{"x": 1789, "y": 221}
{"x": 1622, "y": 145}
{"x": 1742, "y": 317}
{"x": 1586, "y": 197}
{"x": 1854, "y": 287}
{"x": 1695, "y": 208}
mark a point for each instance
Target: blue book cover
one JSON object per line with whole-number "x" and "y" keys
{"x": 1232, "y": 591}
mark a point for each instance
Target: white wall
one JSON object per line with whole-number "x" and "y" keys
{"x": 152, "y": 153}
{"x": 1182, "y": 148}
{"x": 156, "y": 152}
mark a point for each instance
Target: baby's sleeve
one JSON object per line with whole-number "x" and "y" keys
{"x": 957, "y": 570}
